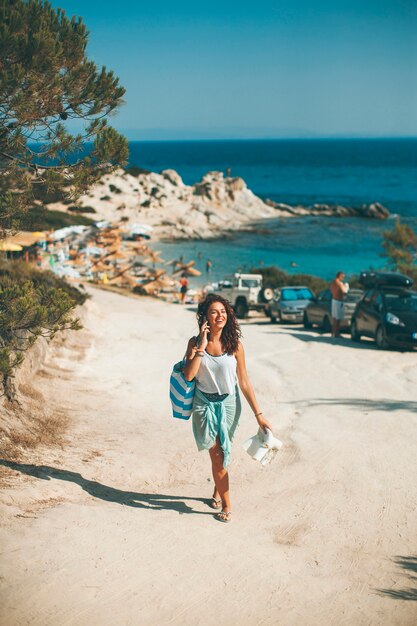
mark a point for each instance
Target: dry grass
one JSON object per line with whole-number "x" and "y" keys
{"x": 29, "y": 427}
{"x": 29, "y": 424}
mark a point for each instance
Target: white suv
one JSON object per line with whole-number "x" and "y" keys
{"x": 244, "y": 292}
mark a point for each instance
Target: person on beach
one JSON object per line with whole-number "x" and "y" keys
{"x": 216, "y": 360}
{"x": 339, "y": 290}
{"x": 183, "y": 289}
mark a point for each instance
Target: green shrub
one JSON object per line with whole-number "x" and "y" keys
{"x": 133, "y": 170}
{"x": 400, "y": 249}
{"x": 32, "y": 304}
{"x": 114, "y": 189}
{"x": 42, "y": 219}
{"x": 275, "y": 277}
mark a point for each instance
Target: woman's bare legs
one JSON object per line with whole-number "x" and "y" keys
{"x": 220, "y": 476}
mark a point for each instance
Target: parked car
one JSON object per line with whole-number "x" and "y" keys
{"x": 289, "y": 303}
{"x": 245, "y": 292}
{"x": 387, "y": 313}
{"x": 319, "y": 311}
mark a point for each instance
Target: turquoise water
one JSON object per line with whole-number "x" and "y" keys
{"x": 349, "y": 172}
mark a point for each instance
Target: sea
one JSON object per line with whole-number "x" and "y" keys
{"x": 349, "y": 172}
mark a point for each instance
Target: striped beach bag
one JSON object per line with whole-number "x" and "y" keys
{"x": 181, "y": 393}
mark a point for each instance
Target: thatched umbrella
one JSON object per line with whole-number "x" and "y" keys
{"x": 100, "y": 267}
{"x": 154, "y": 256}
{"x": 124, "y": 279}
{"x": 117, "y": 255}
{"x": 187, "y": 269}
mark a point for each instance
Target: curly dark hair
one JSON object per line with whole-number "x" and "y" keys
{"x": 231, "y": 333}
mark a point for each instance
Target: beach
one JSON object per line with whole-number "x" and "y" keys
{"x": 113, "y": 524}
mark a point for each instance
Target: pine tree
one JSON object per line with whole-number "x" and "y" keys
{"x": 400, "y": 248}
{"x": 46, "y": 82}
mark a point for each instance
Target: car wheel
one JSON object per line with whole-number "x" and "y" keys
{"x": 354, "y": 334}
{"x": 327, "y": 325}
{"x": 241, "y": 309}
{"x": 380, "y": 338}
{"x": 306, "y": 320}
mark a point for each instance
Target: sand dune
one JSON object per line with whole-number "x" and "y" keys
{"x": 114, "y": 526}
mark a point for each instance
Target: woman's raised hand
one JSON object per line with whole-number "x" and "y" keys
{"x": 203, "y": 339}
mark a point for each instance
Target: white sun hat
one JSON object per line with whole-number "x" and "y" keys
{"x": 263, "y": 446}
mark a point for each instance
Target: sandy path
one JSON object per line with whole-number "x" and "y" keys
{"x": 114, "y": 528}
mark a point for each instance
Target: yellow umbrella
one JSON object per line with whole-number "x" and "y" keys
{"x": 10, "y": 247}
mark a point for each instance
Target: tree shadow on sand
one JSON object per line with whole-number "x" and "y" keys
{"x": 361, "y": 403}
{"x": 408, "y": 563}
{"x": 154, "y": 501}
{"x": 344, "y": 340}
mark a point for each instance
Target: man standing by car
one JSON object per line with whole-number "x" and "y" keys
{"x": 339, "y": 289}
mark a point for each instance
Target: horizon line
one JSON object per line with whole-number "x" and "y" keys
{"x": 318, "y": 138}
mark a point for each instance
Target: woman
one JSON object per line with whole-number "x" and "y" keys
{"x": 216, "y": 360}
{"x": 183, "y": 289}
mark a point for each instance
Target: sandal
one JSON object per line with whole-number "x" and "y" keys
{"x": 215, "y": 504}
{"x": 224, "y": 516}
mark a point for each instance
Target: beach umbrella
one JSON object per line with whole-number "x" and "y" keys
{"x": 154, "y": 256}
{"x": 116, "y": 255}
{"x": 77, "y": 261}
{"x": 135, "y": 228}
{"x": 124, "y": 279}
{"x": 91, "y": 250}
{"x": 157, "y": 274}
{"x": 191, "y": 271}
{"x": 10, "y": 247}
{"x": 99, "y": 267}
{"x": 187, "y": 269}
{"x": 121, "y": 272}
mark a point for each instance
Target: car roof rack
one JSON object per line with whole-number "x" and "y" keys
{"x": 371, "y": 279}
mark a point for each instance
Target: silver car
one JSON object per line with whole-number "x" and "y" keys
{"x": 289, "y": 303}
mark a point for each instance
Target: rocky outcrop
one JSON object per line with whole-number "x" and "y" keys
{"x": 213, "y": 207}
{"x": 375, "y": 210}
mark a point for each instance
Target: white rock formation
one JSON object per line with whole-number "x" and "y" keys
{"x": 207, "y": 209}
{"x": 211, "y": 208}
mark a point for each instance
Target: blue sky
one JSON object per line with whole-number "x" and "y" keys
{"x": 293, "y": 68}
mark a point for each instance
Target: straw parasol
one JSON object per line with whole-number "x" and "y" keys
{"x": 100, "y": 267}
{"x": 154, "y": 256}
{"x": 187, "y": 269}
{"x": 7, "y": 246}
{"x": 117, "y": 255}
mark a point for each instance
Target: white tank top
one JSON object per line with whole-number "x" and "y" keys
{"x": 217, "y": 374}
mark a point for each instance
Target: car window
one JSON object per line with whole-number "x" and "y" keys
{"x": 296, "y": 294}
{"x": 248, "y": 283}
{"x": 401, "y": 302}
{"x": 327, "y": 295}
{"x": 368, "y": 296}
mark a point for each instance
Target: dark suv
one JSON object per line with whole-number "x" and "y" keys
{"x": 387, "y": 311}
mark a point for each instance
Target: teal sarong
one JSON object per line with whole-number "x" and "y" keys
{"x": 216, "y": 419}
